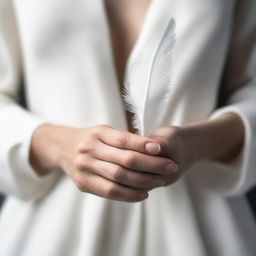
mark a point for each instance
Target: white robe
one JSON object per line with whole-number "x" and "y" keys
{"x": 63, "y": 50}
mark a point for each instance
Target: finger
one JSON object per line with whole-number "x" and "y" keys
{"x": 171, "y": 179}
{"x": 94, "y": 184}
{"x": 133, "y": 160}
{"x": 121, "y": 174}
{"x": 130, "y": 141}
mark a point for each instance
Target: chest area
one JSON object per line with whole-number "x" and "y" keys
{"x": 125, "y": 21}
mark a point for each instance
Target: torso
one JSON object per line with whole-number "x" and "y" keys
{"x": 125, "y": 19}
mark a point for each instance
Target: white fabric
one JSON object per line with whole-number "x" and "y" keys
{"x": 63, "y": 49}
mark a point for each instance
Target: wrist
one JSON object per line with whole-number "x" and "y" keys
{"x": 220, "y": 139}
{"x": 46, "y": 148}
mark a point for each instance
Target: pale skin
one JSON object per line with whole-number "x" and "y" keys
{"x": 117, "y": 164}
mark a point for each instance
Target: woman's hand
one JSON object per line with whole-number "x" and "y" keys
{"x": 220, "y": 139}
{"x": 101, "y": 160}
{"x": 175, "y": 146}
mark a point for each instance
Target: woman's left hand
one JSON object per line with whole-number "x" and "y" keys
{"x": 176, "y": 145}
{"x": 220, "y": 139}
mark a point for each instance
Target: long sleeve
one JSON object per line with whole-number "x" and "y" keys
{"x": 238, "y": 89}
{"x": 17, "y": 125}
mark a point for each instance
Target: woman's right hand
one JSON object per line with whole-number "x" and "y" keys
{"x": 101, "y": 160}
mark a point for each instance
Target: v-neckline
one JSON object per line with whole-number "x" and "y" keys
{"x": 119, "y": 85}
{"x": 136, "y": 44}
{"x": 156, "y": 18}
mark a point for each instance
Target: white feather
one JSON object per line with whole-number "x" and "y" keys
{"x": 148, "y": 82}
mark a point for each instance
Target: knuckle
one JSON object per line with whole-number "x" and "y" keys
{"x": 122, "y": 140}
{"x": 129, "y": 160}
{"x": 111, "y": 191}
{"x": 81, "y": 163}
{"x": 80, "y": 187}
{"x": 85, "y": 147}
{"x": 81, "y": 146}
{"x": 97, "y": 130}
{"x": 139, "y": 144}
{"x": 118, "y": 174}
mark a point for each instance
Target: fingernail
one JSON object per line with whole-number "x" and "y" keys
{"x": 152, "y": 148}
{"x": 143, "y": 196}
{"x": 158, "y": 182}
{"x": 171, "y": 168}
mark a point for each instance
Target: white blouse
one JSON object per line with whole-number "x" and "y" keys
{"x": 62, "y": 49}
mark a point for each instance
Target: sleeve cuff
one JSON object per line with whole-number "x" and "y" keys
{"x": 237, "y": 176}
{"x": 17, "y": 176}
